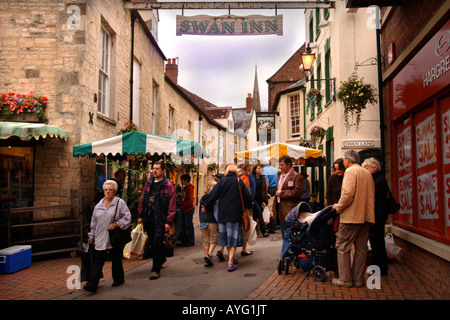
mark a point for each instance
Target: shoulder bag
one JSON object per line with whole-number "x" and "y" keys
{"x": 118, "y": 237}
{"x": 245, "y": 217}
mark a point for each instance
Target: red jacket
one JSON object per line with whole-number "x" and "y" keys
{"x": 187, "y": 200}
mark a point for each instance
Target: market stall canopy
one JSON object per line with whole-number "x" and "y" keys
{"x": 136, "y": 142}
{"x": 27, "y": 131}
{"x": 277, "y": 150}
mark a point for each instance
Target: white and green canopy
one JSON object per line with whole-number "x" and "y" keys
{"x": 136, "y": 142}
{"x": 27, "y": 131}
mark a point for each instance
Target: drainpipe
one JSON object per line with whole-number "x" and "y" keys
{"x": 200, "y": 118}
{"x": 133, "y": 19}
{"x": 380, "y": 90}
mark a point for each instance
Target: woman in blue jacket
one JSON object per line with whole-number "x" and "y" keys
{"x": 228, "y": 191}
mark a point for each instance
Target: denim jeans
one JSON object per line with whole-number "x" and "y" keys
{"x": 285, "y": 244}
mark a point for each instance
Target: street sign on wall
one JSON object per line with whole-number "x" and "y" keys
{"x": 230, "y": 25}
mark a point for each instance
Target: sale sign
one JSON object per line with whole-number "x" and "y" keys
{"x": 446, "y": 157}
{"x": 404, "y": 166}
{"x": 426, "y": 159}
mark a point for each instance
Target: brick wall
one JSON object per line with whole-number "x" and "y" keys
{"x": 287, "y": 75}
{"x": 432, "y": 271}
{"x": 401, "y": 26}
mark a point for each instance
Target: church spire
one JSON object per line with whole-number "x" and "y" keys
{"x": 256, "y": 99}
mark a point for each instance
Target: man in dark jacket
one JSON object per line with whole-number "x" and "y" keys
{"x": 156, "y": 210}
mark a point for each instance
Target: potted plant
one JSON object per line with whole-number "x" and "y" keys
{"x": 22, "y": 107}
{"x": 128, "y": 128}
{"x": 212, "y": 167}
{"x": 317, "y": 134}
{"x": 313, "y": 97}
{"x": 355, "y": 95}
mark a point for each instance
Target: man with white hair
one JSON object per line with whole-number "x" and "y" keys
{"x": 356, "y": 213}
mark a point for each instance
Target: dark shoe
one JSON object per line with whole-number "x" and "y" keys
{"x": 118, "y": 283}
{"x": 219, "y": 254}
{"x": 185, "y": 244}
{"x": 243, "y": 253}
{"x": 90, "y": 288}
{"x": 154, "y": 275}
{"x": 208, "y": 261}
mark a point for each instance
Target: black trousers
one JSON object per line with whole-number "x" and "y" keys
{"x": 156, "y": 246}
{"x": 117, "y": 268}
{"x": 257, "y": 215}
{"x": 157, "y": 252}
{"x": 376, "y": 238}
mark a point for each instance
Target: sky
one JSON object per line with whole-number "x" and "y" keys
{"x": 221, "y": 69}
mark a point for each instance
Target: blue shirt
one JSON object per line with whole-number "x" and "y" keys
{"x": 271, "y": 175}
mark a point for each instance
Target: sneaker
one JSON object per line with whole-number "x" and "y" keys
{"x": 231, "y": 267}
{"x": 154, "y": 275}
{"x": 208, "y": 260}
{"x": 219, "y": 254}
{"x": 339, "y": 283}
{"x": 358, "y": 284}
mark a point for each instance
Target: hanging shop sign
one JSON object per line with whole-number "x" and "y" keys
{"x": 265, "y": 122}
{"x": 229, "y": 25}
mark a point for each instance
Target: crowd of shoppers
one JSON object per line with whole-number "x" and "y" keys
{"x": 357, "y": 192}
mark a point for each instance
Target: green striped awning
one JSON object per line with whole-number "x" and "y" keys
{"x": 27, "y": 131}
{"x": 136, "y": 142}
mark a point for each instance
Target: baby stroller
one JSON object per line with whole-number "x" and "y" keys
{"x": 316, "y": 241}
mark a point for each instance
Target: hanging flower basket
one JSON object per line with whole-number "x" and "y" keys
{"x": 355, "y": 95}
{"x": 313, "y": 98}
{"x": 22, "y": 107}
{"x": 317, "y": 134}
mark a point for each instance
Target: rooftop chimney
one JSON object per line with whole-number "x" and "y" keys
{"x": 172, "y": 70}
{"x": 249, "y": 104}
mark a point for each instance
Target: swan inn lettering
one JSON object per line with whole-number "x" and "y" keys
{"x": 230, "y": 25}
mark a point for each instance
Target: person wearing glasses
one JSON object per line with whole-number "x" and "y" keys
{"x": 110, "y": 213}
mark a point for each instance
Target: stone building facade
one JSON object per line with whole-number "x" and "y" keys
{"x": 81, "y": 55}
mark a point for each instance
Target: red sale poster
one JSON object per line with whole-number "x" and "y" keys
{"x": 404, "y": 166}
{"x": 446, "y": 158}
{"x": 427, "y": 165}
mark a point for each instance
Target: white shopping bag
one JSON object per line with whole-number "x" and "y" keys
{"x": 252, "y": 232}
{"x": 391, "y": 249}
{"x": 134, "y": 250}
{"x": 266, "y": 215}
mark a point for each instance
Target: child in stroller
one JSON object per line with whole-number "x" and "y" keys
{"x": 311, "y": 235}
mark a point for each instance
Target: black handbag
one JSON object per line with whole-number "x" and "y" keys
{"x": 392, "y": 205}
{"x": 118, "y": 237}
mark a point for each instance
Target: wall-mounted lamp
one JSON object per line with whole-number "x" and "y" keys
{"x": 308, "y": 59}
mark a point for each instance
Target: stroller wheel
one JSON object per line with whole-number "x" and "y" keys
{"x": 280, "y": 266}
{"x": 286, "y": 269}
{"x": 319, "y": 273}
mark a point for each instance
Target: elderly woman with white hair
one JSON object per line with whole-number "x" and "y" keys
{"x": 111, "y": 212}
{"x": 376, "y": 231}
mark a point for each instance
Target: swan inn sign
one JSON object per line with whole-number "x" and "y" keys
{"x": 229, "y": 25}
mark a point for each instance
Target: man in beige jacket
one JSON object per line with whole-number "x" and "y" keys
{"x": 356, "y": 212}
